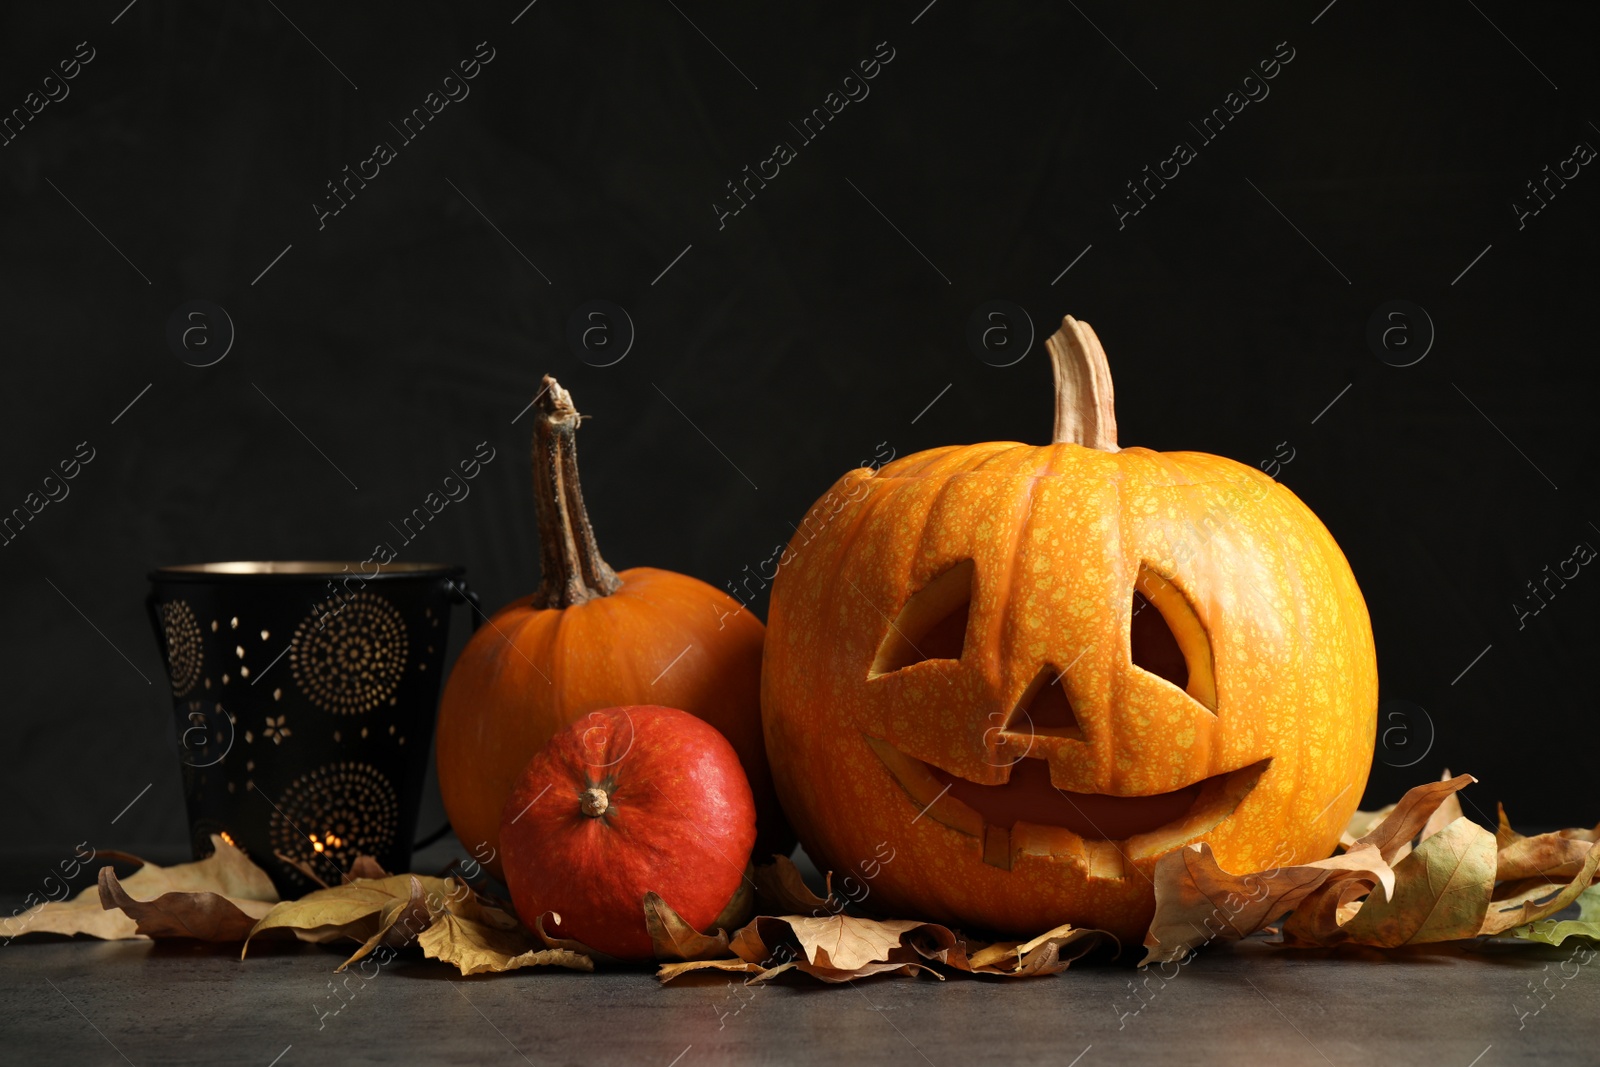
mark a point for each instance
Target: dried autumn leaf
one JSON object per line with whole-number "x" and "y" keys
{"x": 474, "y": 908}
{"x": 1446, "y": 813}
{"x": 201, "y": 916}
{"x": 782, "y": 890}
{"x": 668, "y": 971}
{"x": 751, "y": 954}
{"x": 478, "y": 948}
{"x": 1504, "y": 834}
{"x": 840, "y": 947}
{"x": 1050, "y": 953}
{"x": 1318, "y": 919}
{"x": 80, "y": 914}
{"x": 846, "y": 943}
{"x": 1442, "y": 892}
{"x": 1320, "y": 916}
{"x": 227, "y": 872}
{"x": 741, "y": 907}
{"x": 354, "y": 909}
{"x": 305, "y": 869}
{"x": 567, "y": 943}
{"x": 675, "y": 939}
{"x": 1555, "y": 856}
{"x": 1361, "y": 823}
{"x": 1515, "y": 894}
{"x": 837, "y": 948}
{"x": 443, "y": 916}
{"x": 1555, "y": 931}
{"x": 1198, "y": 902}
{"x": 1500, "y": 918}
{"x": 840, "y": 975}
{"x": 127, "y": 858}
{"x": 366, "y": 867}
{"x": 1392, "y": 837}
{"x": 400, "y": 922}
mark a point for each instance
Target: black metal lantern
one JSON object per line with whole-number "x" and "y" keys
{"x": 305, "y": 695}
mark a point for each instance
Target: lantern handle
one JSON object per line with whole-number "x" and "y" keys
{"x": 464, "y": 594}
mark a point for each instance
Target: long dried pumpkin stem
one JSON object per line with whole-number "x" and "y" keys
{"x": 571, "y": 569}
{"x": 1085, "y": 410}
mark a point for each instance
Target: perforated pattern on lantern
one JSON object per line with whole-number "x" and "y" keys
{"x": 337, "y": 812}
{"x": 181, "y": 633}
{"x": 348, "y": 657}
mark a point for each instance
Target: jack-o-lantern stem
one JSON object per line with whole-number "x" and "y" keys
{"x": 1085, "y": 410}
{"x": 571, "y": 569}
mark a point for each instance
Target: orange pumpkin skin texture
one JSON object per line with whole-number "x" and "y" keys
{"x": 1261, "y": 745}
{"x": 591, "y": 638}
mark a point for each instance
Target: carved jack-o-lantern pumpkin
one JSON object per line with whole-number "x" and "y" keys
{"x": 1035, "y": 670}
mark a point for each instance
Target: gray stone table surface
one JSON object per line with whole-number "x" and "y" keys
{"x": 1482, "y": 1005}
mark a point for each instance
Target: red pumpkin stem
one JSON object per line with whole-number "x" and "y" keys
{"x": 594, "y": 802}
{"x": 571, "y": 569}
{"x": 1085, "y": 410}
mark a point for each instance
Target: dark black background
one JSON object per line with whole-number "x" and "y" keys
{"x": 802, "y": 334}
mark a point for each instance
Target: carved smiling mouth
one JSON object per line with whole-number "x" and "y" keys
{"x": 1029, "y": 816}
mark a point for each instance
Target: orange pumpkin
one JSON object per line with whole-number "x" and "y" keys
{"x": 1033, "y": 671}
{"x": 591, "y": 638}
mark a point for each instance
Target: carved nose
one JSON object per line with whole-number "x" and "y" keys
{"x": 1043, "y": 711}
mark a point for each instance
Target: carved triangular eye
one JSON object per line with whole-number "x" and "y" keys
{"x": 1044, "y": 709}
{"x": 1167, "y": 639}
{"x": 932, "y": 625}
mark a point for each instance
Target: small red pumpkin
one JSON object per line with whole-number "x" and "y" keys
{"x": 624, "y": 802}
